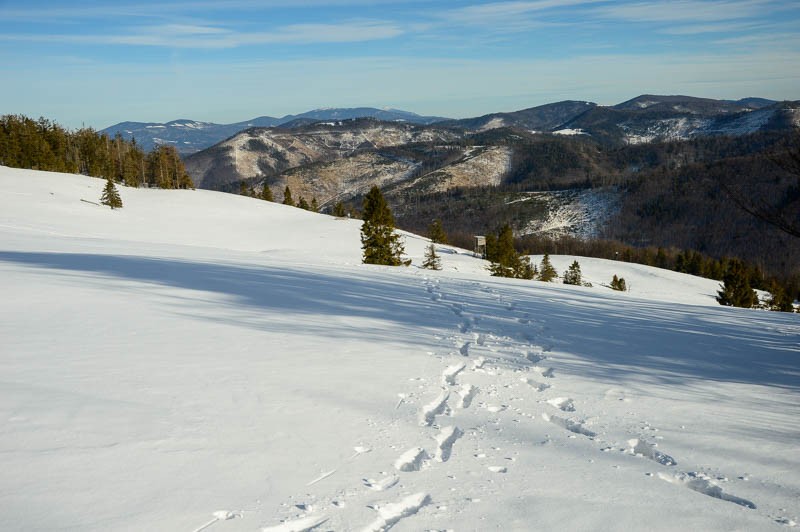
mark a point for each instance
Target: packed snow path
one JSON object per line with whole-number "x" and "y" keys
{"x": 196, "y": 351}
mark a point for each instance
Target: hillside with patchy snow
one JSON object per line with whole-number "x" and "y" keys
{"x": 202, "y": 361}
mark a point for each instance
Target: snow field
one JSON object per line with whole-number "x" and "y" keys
{"x": 197, "y": 361}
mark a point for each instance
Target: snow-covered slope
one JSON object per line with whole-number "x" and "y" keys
{"x": 200, "y": 361}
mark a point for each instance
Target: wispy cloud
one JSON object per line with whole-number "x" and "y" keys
{"x": 684, "y": 10}
{"x": 507, "y": 12}
{"x": 168, "y": 8}
{"x": 200, "y": 37}
{"x": 698, "y": 29}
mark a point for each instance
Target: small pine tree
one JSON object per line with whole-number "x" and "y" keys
{"x": 506, "y": 261}
{"x": 303, "y": 204}
{"x": 780, "y": 300}
{"x": 266, "y": 193}
{"x": 436, "y": 232}
{"x": 287, "y": 196}
{"x": 339, "y": 210}
{"x": 432, "y": 260}
{"x": 314, "y": 205}
{"x": 735, "y": 290}
{"x": 661, "y": 258}
{"x": 381, "y": 245}
{"x": 111, "y": 195}
{"x": 243, "y": 191}
{"x": 573, "y": 274}
{"x": 546, "y": 270}
{"x": 618, "y": 283}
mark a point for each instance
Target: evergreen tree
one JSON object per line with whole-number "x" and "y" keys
{"x": 780, "y": 299}
{"x": 490, "y": 252}
{"x": 380, "y": 243}
{"x": 506, "y": 261}
{"x": 314, "y": 205}
{"x": 243, "y": 190}
{"x": 111, "y": 196}
{"x": 339, "y": 210}
{"x": 573, "y": 274}
{"x": 736, "y": 291}
{"x": 432, "y": 260}
{"x": 546, "y": 271}
{"x": 287, "y": 196}
{"x": 266, "y": 193}
{"x": 303, "y": 204}
{"x": 661, "y": 259}
{"x": 436, "y": 232}
{"x": 618, "y": 283}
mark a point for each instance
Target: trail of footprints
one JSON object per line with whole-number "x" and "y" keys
{"x": 462, "y": 396}
{"x": 636, "y": 447}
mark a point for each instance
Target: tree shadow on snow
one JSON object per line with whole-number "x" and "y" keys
{"x": 250, "y": 290}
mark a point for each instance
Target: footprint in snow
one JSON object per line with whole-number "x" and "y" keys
{"x": 382, "y": 484}
{"x": 436, "y": 407}
{"x": 642, "y": 448}
{"x": 220, "y": 515}
{"x": 564, "y": 404}
{"x": 411, "y": 460}
{"x": 466, "y": 394}
{"x": 389, "y": 514}
{"x": 547, "y": 373}
{"x": 304, "y": 524}
{"x": 702, "y": 484}
{"x": 616, "y": 394}
{"x": 534, "y": 357}
{"x": 570, "y": 425}
{"x": 445, "y": 439}
{"x": 451, "y": 372}
{"x": 538, "y": 386}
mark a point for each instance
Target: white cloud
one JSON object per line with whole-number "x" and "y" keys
{"x": 508, "y": 13}
{"x": 684, "y": 10}
{"x": 206, "y": 37}
{"x": 697, "y": 29}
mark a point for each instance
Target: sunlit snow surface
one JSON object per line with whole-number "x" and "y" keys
{"x": 201, "y": 361}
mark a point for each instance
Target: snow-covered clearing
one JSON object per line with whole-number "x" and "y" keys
{"x": 201, "y": 361}
{"x": 575, "y": 212}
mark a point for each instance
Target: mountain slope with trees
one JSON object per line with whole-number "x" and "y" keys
{"x": 44, "y": 145}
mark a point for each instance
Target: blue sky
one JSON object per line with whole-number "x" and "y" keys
{"x": 97, "y": 63}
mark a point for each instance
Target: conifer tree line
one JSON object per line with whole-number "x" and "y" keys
{"x": 44, "y": 145}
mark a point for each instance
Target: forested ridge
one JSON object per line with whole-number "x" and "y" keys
{"x": 681, "y": 202}
{"x": 44, "y": 145}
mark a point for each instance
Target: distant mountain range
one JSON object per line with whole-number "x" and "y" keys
{"x": 645, "y": 118}
{"x": 190, "y": 136}
{"x": 325, "y": 140}
{"x": 645, "y": 171}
